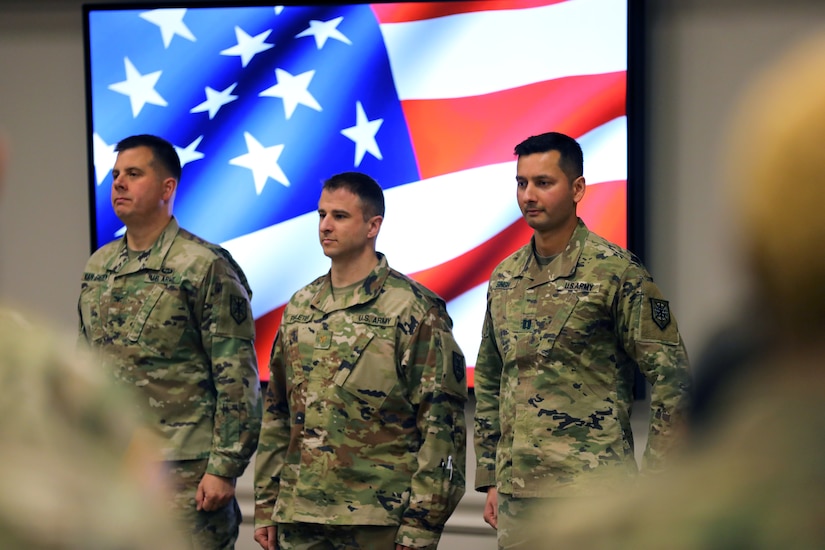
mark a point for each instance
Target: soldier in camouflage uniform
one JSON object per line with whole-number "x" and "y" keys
{"x": 363, "y": 437}
{"x": 170, "y": 315}
{"x": 569, "y": 316}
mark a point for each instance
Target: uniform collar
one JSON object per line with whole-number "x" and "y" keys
{"x": 151, "y": 259}
{"x": 366, "y": 292}
{"x": 564, "y": 265}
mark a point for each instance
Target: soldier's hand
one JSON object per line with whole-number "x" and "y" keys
{"x": 491, "y": 508}
{"x": 214, "y": 492}
{"x": 267, "y": 537}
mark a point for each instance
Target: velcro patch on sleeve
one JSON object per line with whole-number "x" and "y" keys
{"x": 657, "y": 322}
{"x": 233, "y": 314}
{"x": 453, "y": 369}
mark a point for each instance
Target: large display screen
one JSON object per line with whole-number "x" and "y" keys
{"x": 264, "y": 102}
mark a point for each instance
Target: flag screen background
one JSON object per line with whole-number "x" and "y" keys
{"x": 265, "y": 102}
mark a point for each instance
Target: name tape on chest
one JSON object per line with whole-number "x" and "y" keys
{"x": 163, "y": 279}
{"x": 372, "y": 319}
{"x": 95, "y": 277}
{"x": 299, "y": 318}
{"x": 578, "y": 286}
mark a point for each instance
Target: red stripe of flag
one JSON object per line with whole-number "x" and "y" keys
{"x": 416, "y": 11}
{"x": 580, "y": 103}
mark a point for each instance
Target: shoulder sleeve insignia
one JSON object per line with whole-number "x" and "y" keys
{"x": 660, "y": 311}
{"x": 238, "y": 309}
{"x": 459, "y": 368}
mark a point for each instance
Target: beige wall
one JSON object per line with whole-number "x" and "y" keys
{"x": 701, "y": 52}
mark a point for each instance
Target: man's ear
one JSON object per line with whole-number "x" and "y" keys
{"x": 579, "y": 187}
{"x": 375, "y": 226}
{"x": 169, "y": 186}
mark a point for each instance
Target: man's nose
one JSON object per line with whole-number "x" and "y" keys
{"x": 324, "y": 224}
{"x": 528, "y": 192}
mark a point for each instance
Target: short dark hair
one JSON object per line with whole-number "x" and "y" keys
{"x": 363, "y": 187}
{"x": 571, "y": 159}
{"x": 162, "y": 151}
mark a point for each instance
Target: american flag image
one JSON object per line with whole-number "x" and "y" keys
{"x": 265, "y": 102}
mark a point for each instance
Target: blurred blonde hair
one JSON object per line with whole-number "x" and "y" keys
{"x": 776, "y": 168}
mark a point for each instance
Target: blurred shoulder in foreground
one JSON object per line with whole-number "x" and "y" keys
{"x": 74, "y": 469}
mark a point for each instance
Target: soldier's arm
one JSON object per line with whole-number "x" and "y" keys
{"x": 228, "y": 333}
{"x": 82, "y": 338}
{"x": 652, "y": 339}
{"x": 436, "y": 374}
{"x": 487, "y": 381}
{"x": 274, "y": 438}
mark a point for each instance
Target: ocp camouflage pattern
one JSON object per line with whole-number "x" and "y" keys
{"x": 555, "y": 369}
{"x": 364, "y": 412}
{"x": 175, "y": 325}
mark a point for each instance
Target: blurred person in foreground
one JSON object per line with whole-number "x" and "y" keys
{"x": 169, "y": 314}
{"x": 363, "y": 442}
{"x": 74, "y": 464}
{"x": 756, "y": 476}
{"x": 570, "y": 317}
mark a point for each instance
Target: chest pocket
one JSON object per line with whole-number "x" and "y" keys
{"x": 552, "y": 317}
{"x": 142, "y": 315}
{"x": 365, "y": 372}
{"x": 159, "y": 322}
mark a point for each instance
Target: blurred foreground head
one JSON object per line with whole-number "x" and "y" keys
{"x": 777, "y": 169}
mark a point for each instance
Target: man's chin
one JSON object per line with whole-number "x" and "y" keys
{"x": 122, "y": 215}
{"x": 532, "y": 222}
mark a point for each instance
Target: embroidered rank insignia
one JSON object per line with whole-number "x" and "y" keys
{"x": 323, "y": 339}
{"x": 660, "y": 311}
{"x": 238, "y": 309}
{"x": 458, "y": 366}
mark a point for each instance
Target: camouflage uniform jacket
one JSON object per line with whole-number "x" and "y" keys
{"x": 175, "y": 325}
{"x": 364, "y": 412}
{"x": 554, "y": 376}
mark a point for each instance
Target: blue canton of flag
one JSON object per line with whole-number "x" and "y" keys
{"x": 263, "y": 104}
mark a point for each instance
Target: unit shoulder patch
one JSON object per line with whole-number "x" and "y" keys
{"x": 660, "y": 312}
{"x": 238, "y": 309}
